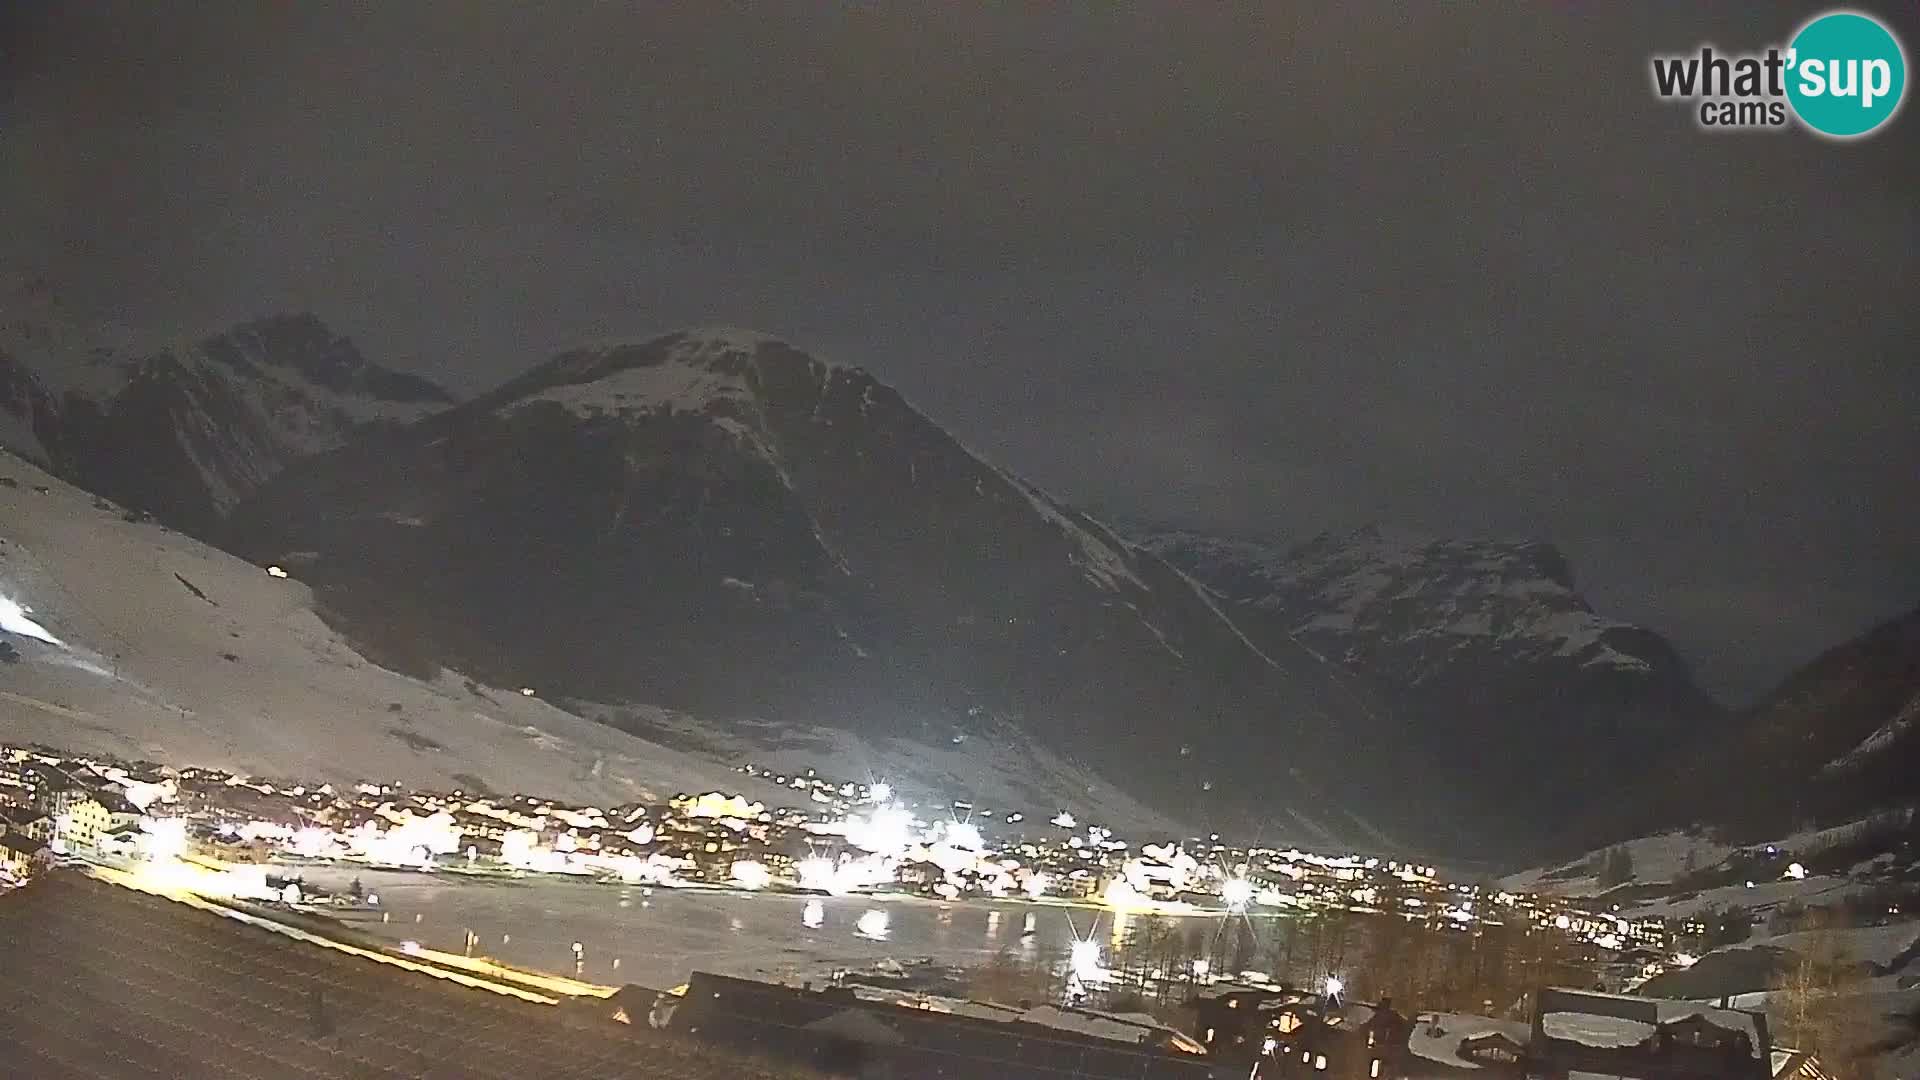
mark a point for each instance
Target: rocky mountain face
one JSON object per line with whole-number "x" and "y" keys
{"x": 185, "y": 432}
{"x": 1839, "y": 739}
{"x": 1512, "y": 683}
{"x": 718, "y": 523}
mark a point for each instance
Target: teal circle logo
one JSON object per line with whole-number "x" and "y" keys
{"x": 1846, "y": 76}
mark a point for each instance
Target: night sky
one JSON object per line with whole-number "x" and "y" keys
{"x": 1451, "y": 269}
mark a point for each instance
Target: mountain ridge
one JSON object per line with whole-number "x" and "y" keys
{"x": 734, "y": 528}
{"x": 185, "y": 430}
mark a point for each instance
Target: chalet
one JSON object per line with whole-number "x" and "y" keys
{"x": 1451, "y": 1045}
{"x": 1619, "y": 1035}
{"x": 26, "y": 822}
{"x": 22, "y": 857}
{"x": 1327, "y": 1039}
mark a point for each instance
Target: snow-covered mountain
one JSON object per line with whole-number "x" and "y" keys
{"x": 175, "y": 652}
{"x": 167, "y": 650}
{"x": 1839, "y": 738}
{"x": 185, "y": 431}
{"x": 718, "y": 523}
{"x": 1511, "y": 676}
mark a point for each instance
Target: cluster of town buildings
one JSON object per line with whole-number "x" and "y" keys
{"x": 846, "y": 837}
{"x": 839, "y": 837}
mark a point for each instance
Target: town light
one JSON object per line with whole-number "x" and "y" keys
{"x": 886, "y": 831}
{"x": 1237, "y": 892}
{"x": 1085, "y": 960}
{"x": 965, "y": 836}
{"x": 751, "y": 875}
{"x": 163, "y": 838}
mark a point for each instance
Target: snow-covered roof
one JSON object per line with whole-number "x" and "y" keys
{"x": 1616, "y": 1020}
{"x": 1437, "y": 1036}
{"x": 1590, "y": 1029}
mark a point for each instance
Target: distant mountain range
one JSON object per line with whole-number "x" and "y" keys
{"x": 719, "y": 524}
{"x": 1837, "y": 740}
{"x": 185, "y": 431}
{"x": 1505, "y": 677}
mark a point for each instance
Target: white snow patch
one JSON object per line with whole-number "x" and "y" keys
{"x": 674, "y": 386}
{"x": 296, "y": 701}
{"x": 1588, "y": 1029}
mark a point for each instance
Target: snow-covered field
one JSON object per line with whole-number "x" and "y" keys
{"x": 1660, "y": 858}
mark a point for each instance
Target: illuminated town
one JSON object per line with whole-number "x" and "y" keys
{"x": 842, "y": 838}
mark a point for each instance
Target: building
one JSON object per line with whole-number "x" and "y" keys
{"x": 1454, "y": 1045}
{"x": 1579, "y": 1031}
{"x": 1327, "y": 1039}
{"x": 81, "y": 825}
{"x": 25, "y": 821}
{"x": 22, "y": 857}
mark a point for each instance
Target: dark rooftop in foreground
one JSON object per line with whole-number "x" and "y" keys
{"x": 99, "y": 981}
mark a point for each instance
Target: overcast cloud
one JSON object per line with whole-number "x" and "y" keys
{"x": 1446, "y": 267}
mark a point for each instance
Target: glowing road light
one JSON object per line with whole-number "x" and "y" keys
{"x": 880, "y": 792}
{"x": 1237, "y": 892}
{"x": 274, "y": 571}
{"x": 1036, "y": 886}
{"x": 814, "y": 915}
{"x": 1335, "y": 987}
{"x": 1795, "y": 872}
{"x": 872, "y": 924}
{"x": 1085, "y": 960}
{"x": 1685, "y": 960}
{"x": 1200, "y": 969}
{"x": 1064, "y": 820}
{"x": 1561, "y": 922}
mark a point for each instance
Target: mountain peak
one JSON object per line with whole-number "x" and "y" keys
{"x": 707, "y": 370}
{"x": 300, "y": 342}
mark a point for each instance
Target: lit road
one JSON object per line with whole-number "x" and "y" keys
{"x": 658, "y": 939}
